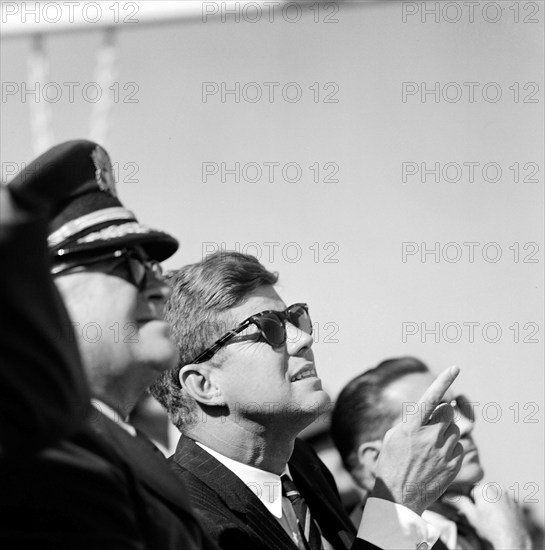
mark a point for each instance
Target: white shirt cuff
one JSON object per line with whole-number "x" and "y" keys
{"x": 391, "y": 526}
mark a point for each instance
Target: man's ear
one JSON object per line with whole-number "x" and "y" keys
{"x": 198, "y": 381}
{"x": 368, "y": 453}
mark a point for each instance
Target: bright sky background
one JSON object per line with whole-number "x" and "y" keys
{"x": 362, "y": 301}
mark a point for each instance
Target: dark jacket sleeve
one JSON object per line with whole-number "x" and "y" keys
{"x": 70, "y": 496}
{"x": 43, "y": 393}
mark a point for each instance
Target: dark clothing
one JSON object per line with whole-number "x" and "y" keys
{"x": 44, "y": 394}
{"x": 101, "y": 490}
{"x": 236, "y": 519}
{"x": 467, "y": 537}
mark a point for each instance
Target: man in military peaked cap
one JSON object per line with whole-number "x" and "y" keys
{"x": 107, "y": 486}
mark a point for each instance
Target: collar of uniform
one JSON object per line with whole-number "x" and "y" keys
{"x": 266, "y": 486}
{"x": 113, "y": 415}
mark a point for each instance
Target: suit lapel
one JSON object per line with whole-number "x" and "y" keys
{"x": 233, "y": 491}
{"x": 321, "y": 498}
{"x": 147, "y": 462}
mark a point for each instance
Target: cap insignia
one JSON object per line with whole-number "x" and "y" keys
{"x": 104, "y": 174}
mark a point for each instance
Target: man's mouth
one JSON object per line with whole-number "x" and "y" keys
{"x": 145, "y": 320}
{"x": 307, "y": 372}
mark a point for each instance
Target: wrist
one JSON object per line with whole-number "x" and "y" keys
{"x": 382, "y": 491}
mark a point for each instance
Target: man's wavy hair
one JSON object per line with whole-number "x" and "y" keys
{"x": 198, "y": 313}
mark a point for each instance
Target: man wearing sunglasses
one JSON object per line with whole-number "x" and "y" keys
{"x": 376, "y": 400}
{"x": 244, "y": 387}
{"x": 106, "y": 487}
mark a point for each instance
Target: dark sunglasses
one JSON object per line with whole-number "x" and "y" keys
{"x": 466, "y": 407}
{"x": 126, "y": 264}
{"x": 271, "y": 325}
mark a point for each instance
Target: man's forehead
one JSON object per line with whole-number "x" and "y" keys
{"x": 261, "y": 299}
{"x": 409, "y": 387}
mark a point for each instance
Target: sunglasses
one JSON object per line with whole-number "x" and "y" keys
{"x": 271, "y": 325}
{"x": 126, "y": 264}
{"x": 465, "y": 407}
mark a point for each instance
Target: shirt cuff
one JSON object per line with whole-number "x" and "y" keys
{"x": 391, "y": 526}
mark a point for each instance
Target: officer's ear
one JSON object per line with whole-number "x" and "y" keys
{"x": 200, "y": 382}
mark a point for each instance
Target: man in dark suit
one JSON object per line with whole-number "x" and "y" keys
{"x": 43, "y": 390}
{"x": 244, "y": 387}
{"x": 106, "y": 487}
{"x": 466, "y": 519}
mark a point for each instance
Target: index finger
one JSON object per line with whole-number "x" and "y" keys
{"x": 434, "y": 394}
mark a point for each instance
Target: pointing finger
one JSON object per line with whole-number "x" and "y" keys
{"x": 434, "y": 394}
{"x": 443, "y": 413}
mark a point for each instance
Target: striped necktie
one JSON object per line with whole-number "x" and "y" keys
{"x": 307, "y": 526}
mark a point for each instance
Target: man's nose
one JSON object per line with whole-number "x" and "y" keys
{"x": 297, "y": 340}
{"x": 156, "y": 289}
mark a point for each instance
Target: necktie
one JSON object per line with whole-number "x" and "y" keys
{"x": 307, "y": 527}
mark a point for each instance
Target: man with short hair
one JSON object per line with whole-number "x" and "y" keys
{"x": 106, "y": 487}
{"x": 373, "y": 402}
{"x": 244, "y": 387}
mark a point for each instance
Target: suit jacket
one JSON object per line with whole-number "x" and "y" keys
{"x": 101, "y": 490}
{"x": 43, "y": 394}
{"x": 237, "y": 520}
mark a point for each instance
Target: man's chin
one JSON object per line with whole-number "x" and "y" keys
{"x": 155, "y": 343}
{"x": 316, "y": 405}
{"x": 164, "y": 358}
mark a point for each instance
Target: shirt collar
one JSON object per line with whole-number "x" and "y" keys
{"x": 266, "y": 486}
{"x": 113, "y": 415}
